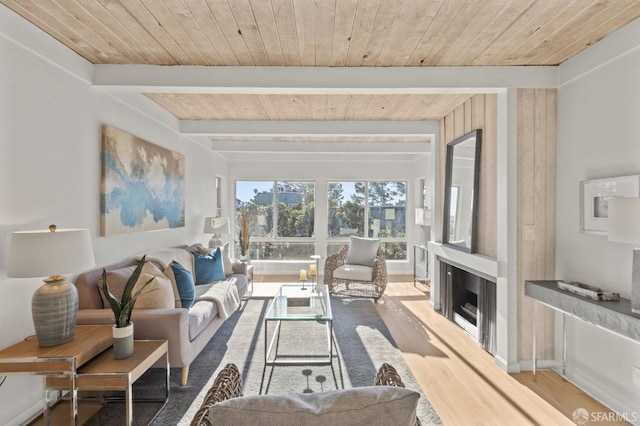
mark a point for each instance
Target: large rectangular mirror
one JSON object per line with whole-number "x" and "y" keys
{"x": 461, "y": 191}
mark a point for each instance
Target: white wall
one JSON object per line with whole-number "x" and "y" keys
{"x": 598, "y": 136}
{"x": 50, "y": 173}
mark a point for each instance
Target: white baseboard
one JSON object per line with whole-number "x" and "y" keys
{"x": 541, "y": 364}
{"x": 609, "y": 396}
{"x": 513, "y": 367}
{"x": 28, "y": 415}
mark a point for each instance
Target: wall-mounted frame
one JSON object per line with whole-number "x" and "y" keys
{"x": 142, "y": 185}
{"x": 595, "y": 196}
{"x": 462, "y": 175}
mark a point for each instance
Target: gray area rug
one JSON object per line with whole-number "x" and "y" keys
{"x": 362, "y": 344}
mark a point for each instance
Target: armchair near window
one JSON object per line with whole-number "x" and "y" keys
{"x": 358, "y": 269}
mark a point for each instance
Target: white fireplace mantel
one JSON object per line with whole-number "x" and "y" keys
{"x": 483, "y": 265}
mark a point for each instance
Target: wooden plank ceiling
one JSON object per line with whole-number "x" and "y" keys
{"x": 324, "y": 33}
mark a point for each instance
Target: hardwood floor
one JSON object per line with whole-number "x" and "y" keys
{"x": 462, "y": 381}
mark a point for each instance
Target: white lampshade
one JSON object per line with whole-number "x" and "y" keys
{"x": 52, "y": 252}
{"x": 216, "y": 225}
{"x": 624, "y": 220}
{"x": 43, "y": 253}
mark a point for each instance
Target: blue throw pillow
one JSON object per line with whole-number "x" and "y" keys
{"x": 185, "y": 284}
{"x": 209, "y": 267}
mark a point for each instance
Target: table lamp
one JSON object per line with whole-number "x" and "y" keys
{"x": 54, "y": 306}
{"x": 216, "y": 226}
{"x": 624, "y": 227}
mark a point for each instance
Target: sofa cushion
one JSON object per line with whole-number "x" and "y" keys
{"x": 371, "y": 405}
{"x": 176, "y": 294}
{"x": 354, "y": 273}
{"x": 226, "y": 260}
{"x": 184, "y": 284}
{"x": 362, "y": 251}
{"x": 200, "y": 315}
{"x": 157, "y": 295}
{"x": 199, "y": 248}
{"x": 164, "y": 257}
{"x": 208, "y": 267}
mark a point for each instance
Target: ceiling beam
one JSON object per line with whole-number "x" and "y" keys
{"x": 328, "y": 147}
{"x": 319, "y": 80}
{"x": 305, "y": 128}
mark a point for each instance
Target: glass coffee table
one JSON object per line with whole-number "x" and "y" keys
{"x": 292, "y": 304}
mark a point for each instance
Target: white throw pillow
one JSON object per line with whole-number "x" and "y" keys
{"x": 226, "y": 262}
{"x": 362, "y": 251}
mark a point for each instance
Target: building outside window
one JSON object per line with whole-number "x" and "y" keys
{"x": 281, "y": 218}
{"x": 375, "y": 209}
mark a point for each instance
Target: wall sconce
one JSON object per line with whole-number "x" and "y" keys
{"x": 216, "y": 226}
{"x": 423, "y": 216}
{"x": 624, "y": 227}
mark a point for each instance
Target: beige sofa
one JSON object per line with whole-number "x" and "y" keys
{"x": 187, "y": 330}
{"x": 387, "y": 402}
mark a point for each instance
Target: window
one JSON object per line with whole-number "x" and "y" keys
{"x": 218, "y": 196}
{"x": 281, "y": 218}
{"x": 374, "y": 209}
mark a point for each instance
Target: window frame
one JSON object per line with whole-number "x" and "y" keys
{"x": 333, "y": 240}
{"x": 273, "y": 232}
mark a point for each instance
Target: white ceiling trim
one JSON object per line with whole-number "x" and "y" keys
{"x": 319, "y": 80}
{"x": 327, "y": 147}
{"x": 616, "y": 45}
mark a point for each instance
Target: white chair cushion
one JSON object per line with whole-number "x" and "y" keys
{"x": 362, "y": 251}
{"x": 354, "y": 273}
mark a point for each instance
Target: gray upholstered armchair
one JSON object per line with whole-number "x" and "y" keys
{"x": 358, "y": 269}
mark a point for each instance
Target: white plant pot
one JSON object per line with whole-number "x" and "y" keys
{"x": 123, "y": 341}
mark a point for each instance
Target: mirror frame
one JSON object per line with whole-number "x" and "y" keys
{"x": 470, "y": 246}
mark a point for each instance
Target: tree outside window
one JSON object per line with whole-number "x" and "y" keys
{"x": 290, "y": 236}
{"x": 376, "y": 209}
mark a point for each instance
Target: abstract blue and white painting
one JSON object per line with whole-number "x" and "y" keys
{"x": 142, "y": 186}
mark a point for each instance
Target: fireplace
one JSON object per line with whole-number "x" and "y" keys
{"x": 469, "y": 300}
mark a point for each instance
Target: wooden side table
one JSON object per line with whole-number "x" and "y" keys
{"x": 104, "y": 373}
{"x": 61, "y": 361}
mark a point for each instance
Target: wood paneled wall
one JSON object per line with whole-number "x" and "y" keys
{"x": 537, "y": 134}
{"x": 536, "y": 203}
{"x": 478, "y": 112}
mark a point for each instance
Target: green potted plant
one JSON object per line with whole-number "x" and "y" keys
{"x": 122, "y": 309}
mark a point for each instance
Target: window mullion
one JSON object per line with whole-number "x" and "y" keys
{"x": 274, "y": 230}
{"x": 366, "y": 209}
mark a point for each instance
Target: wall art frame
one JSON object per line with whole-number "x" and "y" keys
{"x": 595, "y": 196}
{"x": 141, "y": 186}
